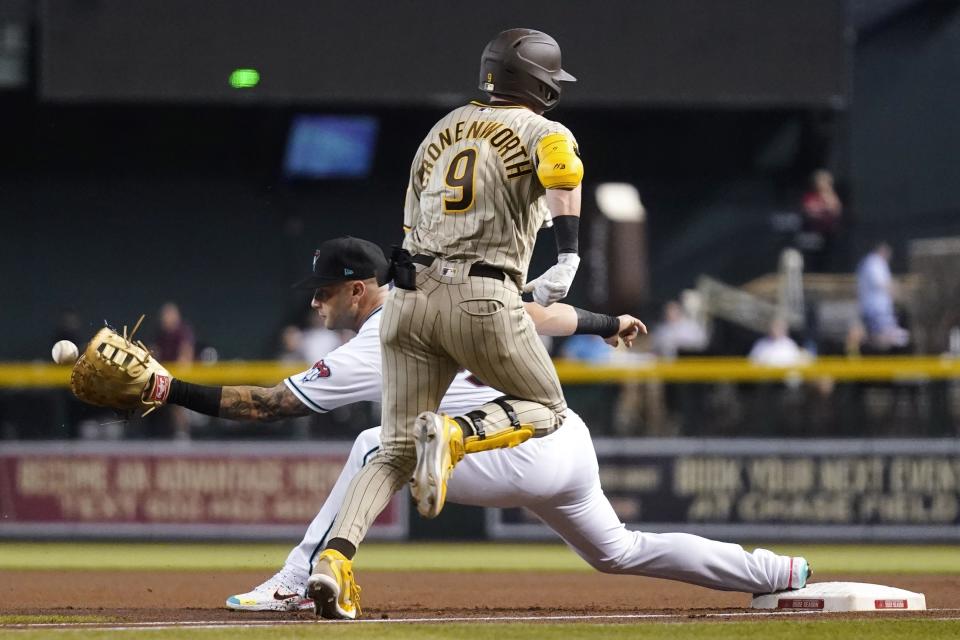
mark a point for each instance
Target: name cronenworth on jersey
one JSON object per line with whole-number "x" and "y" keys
{"x": 503, "y": 140}
{"x": 474, "y": 193}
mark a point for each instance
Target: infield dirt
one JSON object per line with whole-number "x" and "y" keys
{"x": 140, "y": 596}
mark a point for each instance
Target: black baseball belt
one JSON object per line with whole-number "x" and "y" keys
{"x": 476, "y": 269}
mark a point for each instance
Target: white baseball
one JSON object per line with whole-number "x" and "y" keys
{"x": 65, "y": 352}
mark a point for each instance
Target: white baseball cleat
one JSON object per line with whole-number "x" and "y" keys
{"x": 439, "y": 442}
{"x": 800, "y": 572}
{"x": 282, "y": 592}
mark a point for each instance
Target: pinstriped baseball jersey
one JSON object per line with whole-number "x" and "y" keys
{"x": 474, "y": 194}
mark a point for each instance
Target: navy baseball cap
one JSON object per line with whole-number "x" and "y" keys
{"x": 343, "y": 259}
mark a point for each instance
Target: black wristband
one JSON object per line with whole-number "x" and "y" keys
{"x": 567, "y": 229}
{"x": 596, "y": 324}
{"x": 198, "y": 397}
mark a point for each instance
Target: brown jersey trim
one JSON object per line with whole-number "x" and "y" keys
{"x": 477, "y": 103}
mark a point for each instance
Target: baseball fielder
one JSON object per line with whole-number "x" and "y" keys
{"x": 556, "y": 477}
{"x": 484, "y": 180}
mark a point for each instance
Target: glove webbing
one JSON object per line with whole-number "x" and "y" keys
{"x": 114, "y": 352}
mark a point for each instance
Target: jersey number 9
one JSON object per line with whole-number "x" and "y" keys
{"x": 460, "y": 177}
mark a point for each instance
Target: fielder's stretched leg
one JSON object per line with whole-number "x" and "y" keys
{"x": 557, "y": 478}
{"x": 592, "y": 529}
{"x": 286, "y": 590}
{"x": 301, "y": 558}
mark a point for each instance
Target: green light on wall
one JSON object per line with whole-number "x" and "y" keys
{"x": 244, "y": 78}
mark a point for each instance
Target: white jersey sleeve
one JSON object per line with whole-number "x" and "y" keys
{"x": 351, "y": 373}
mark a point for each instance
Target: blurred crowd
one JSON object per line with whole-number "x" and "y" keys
{"x": 867, "y": 321}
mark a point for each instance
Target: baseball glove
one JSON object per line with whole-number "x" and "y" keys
{"x": 114, "y": 371}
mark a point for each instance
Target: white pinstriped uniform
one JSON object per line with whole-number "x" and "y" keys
{"x": 474, "y": 197}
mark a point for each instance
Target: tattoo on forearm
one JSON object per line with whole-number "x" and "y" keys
{"x": 259, "y": 403}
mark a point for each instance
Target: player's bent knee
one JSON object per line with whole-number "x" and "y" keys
{"x": 604, "y": 566}
{"x": 608, "y": 564}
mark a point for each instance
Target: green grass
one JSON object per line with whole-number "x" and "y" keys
{"x": 453, "y": 557}
{"x": 878, "y": 629}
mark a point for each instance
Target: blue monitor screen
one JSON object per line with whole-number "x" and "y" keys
{"x": 330, "y": 147}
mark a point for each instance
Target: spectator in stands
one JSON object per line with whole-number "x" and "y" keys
{"x": 777, "y": 348}
{"x": 822, "y": 212}
{"x": 854, "y": 340}
{"x": 291, "y": 345}
{"x": 875, "y": 293}
{"x": 174, "y": 341}
{"x": 821, "y": 205}
{"x": 678, "y": 333}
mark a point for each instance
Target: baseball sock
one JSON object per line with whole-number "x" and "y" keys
{"x": 344, "y": 546}
{"x": 465, "y": 425}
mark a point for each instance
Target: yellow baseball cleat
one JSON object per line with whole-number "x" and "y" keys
{"x": 334, "y": 593}
{"x": 439, "y": 442}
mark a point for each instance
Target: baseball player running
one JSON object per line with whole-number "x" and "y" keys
{"x": 485, "y": 179}
{"x": 556, "y": 477}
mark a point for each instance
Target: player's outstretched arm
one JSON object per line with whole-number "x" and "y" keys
{"x": 239, "y": 402}
{"x": 565, "y": 320}
{"x": 348, "y": 374}
{"x": 119, "y": 373}
{"x": 261, "y": 403}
